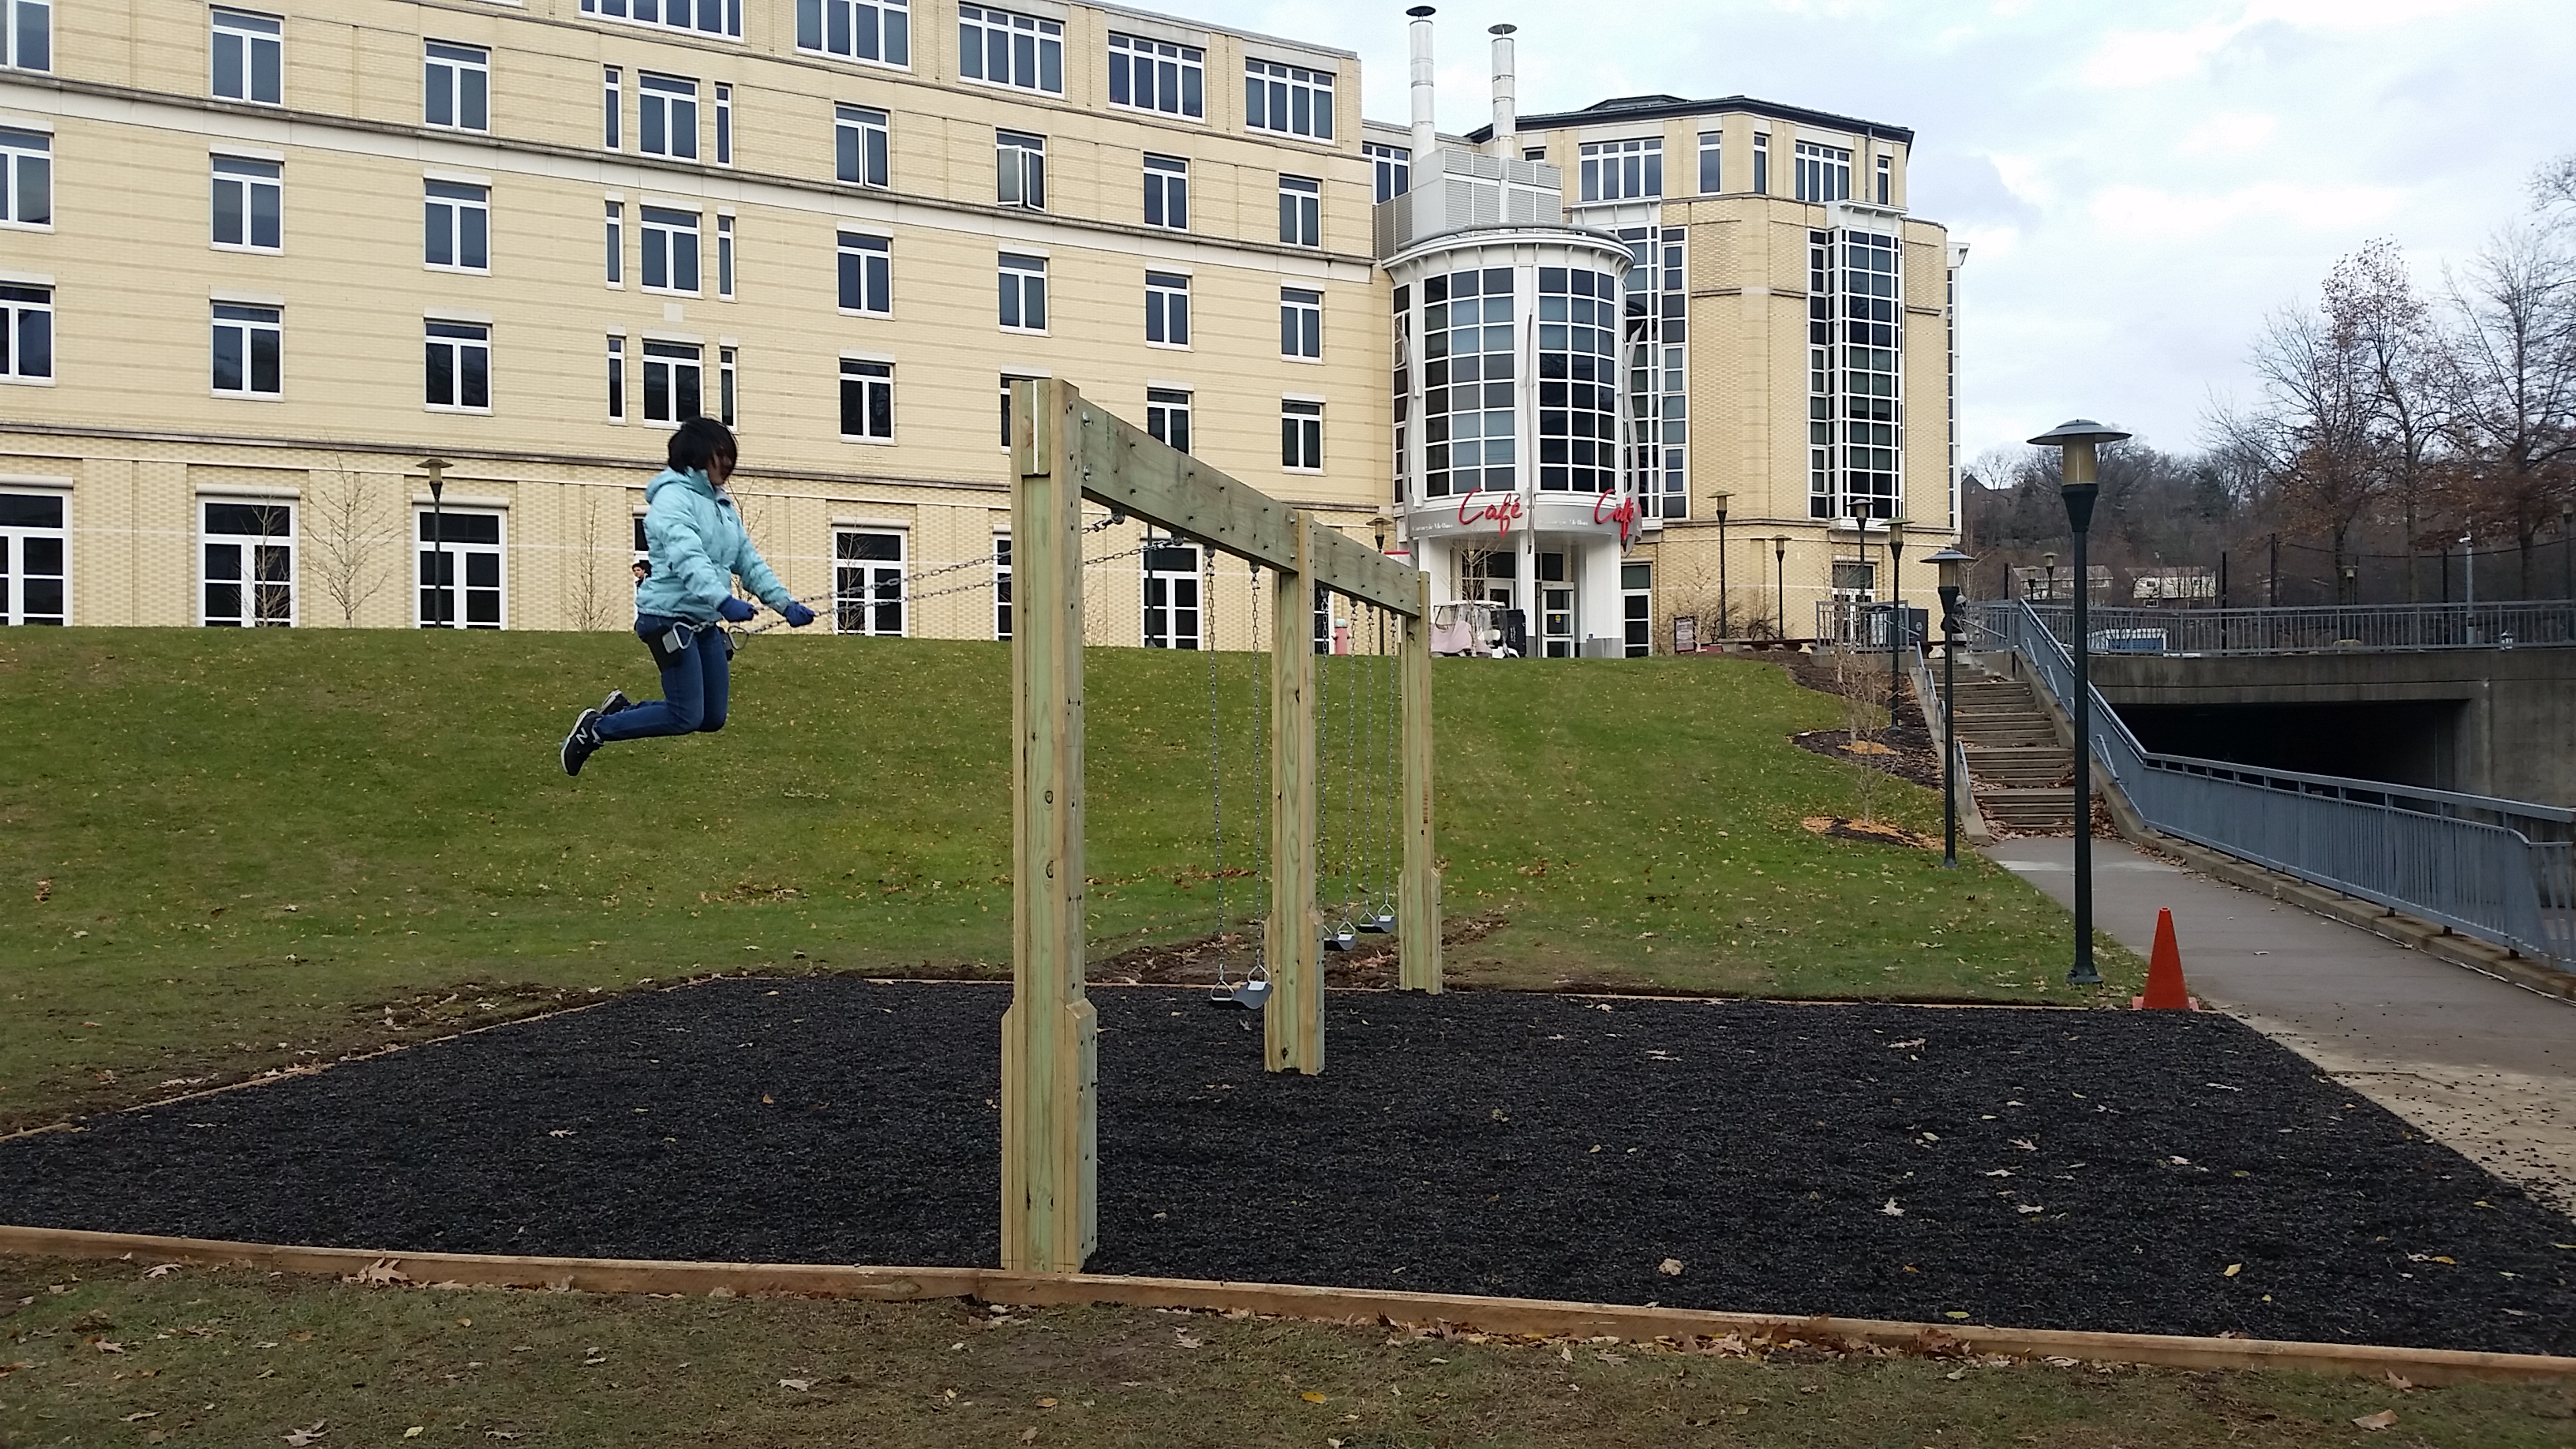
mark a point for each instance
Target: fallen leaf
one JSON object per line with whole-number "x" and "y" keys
{"x": 1188, "y": 1339}
{"x": 2233, "y": 1269}
{"x": 2400, "y": 1384}
{"x": 2025, "y": 1144}
{"x": 415, "y": 1431}
{"x": 1046, "y": 1403}
{"x": 161, "y": 1270}
{"x": 1892, "y": 1210}
{"x": 380, "y": 1271}
{"x": 106, "y": 1346}
{"x": 2028, "y": 1207}
{"x": 2381, "y": 1420}
{"x": 1670, "y": 1267}
{"x": 139, "y": 1418}
{"x": 1898, "y": 1046}
{"x": 799, "y": 1385}
{"x": 1310, "y": 1396}
{"x": 298, "y": 1438}
{"x": 2438, "y": 1258}
{"x": 1955, "y": 1375}
{"x": 1029, "y": 1435}
{"x": 1999, "y": 1172}
{"x": 1955, "y": 1313}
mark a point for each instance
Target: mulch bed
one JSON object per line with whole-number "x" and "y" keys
{"x": 2061, "y": 1169}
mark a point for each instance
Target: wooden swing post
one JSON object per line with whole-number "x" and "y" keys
{"x": 1292, "y": 1025}
{"x": 1417, "y": 918}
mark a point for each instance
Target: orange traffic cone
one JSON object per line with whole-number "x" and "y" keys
{"x": 2164, "y": 973}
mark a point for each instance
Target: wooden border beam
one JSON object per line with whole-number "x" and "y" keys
{"x": 1550, "y": 1317}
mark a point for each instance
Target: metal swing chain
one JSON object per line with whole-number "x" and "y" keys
{"x": 908, "y": 597}
{"x": 1351, "y": 776}
{"x": 1260, "y": 796}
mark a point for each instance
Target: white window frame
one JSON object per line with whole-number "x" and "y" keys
{"x": 455, "y": 587}
{"x": 724, "y": 256}
{"x": 269, "y": 605}
{"x": 867, "y": 261}
{"x": 1019, "y": 170}
{"x": 458, "y": 215}
{"x": 1624, "y": 170}
{"x": 26, "y": 177}
{"x": 467, "y": 348}
{"x": 618, "y": 378}
{"x": 1167, "y": 310}
{"x": 1636, "y": 609}
{"x": 14, "y": 572}
{"x": 1761, "y": 163}
{"x": 240, "y": 44}
{"x": 862, "y": 142}
{"x": 1167, "y": 192}
{"x": 1301, "y": 211}
{"x": 1712, "y": 162}
{"x": 724, "y": 123}
{"x": 680, "y": 15}
{"x": 612, "y": 82}
{"x": 1002, "y": 619}
{"x": 249, "y": 176}
{"x": 26, "y": 35}
{"x": 1172, "y": 72}
{"x": 1886, "y": 182}
{"x": 682, "y": 369}
{"x": 1007, "y": 379}
{"x": 868, "y": 383}
{"x": 461, "y": 77}
{"x": 728, "y": 383}
{"x": 871, "y": 32}
{"x": 26, "y": 311}
{"x": 1287, "y": 100}
{"x": 1301, "y": 324}
{"x": 1391, "y": 168}
{"x": 1824, "y": 172}
{"x": 247, "y": 323}
{"x": 667, "y": 104}
{"x": 1169, "y": 583}
{"x": 1029, "y": 67}
{"x": 1301, "y": 435}
{"x": 663, "y": 239}
{"x": 616, "y": 249}
{"x": 864, "y": 588}
{"x": 1167, "y": 416}
{"x": 1023, "y": 280}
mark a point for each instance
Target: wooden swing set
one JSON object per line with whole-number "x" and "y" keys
{"x": 1065, "y": 451}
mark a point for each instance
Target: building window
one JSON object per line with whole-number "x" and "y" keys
{"x": 1167, "y": 192}
{"x": 674, "y": 381}
{"x": 1469, "y": 429}
{"x": 1578, "y": 380}
{"x": 26, "y": 177}
{"x": 1002, "y": 586}
{"x": 878, "y": 30}
{"x": 250, "y": 204}
{"x": 1167, "y": 309}
{"x": 1855, "y": 580}
{"x": 1010, "y": 50}
{"x": 1301, "y": 436}
{"x": 617, "y": 244}
{"x": 707, "y": 17}
{"x": 1288, "y": 100}
{"x": 670, "y": 250}
{"x": 249, "y": 57}
{"x": 250, "y": 347}
{"x": 1019, "y": 169}
{"x": 867, "y": 582}
{"x": 724, "y": 257}
{"x": 867, "y": 274}
{"x": 460, "y": 366}
{"x": 1762, "y": 163}
{"x": 1623, "y": 170}
{"x": 1657, "y": 352}
{"x": 1710, "y": 181}
{"x": 249, "y": 554}
{"x": 861, "y": 141}
{"x": 1009, "y": 378}
{"x": 1637, "y": 609}
{"x": 1301, "y": 211}
{"x": 27, "y": 34}
{"x": 459, "y": 227}
{"x": 1854, "y": 336}
{"x": 617, "y": 377}
{"x": 610, "y": 93}
{"x": 867, "y": 400}
{"x": 1156, "y": 75}
{"x": 724, "y": 124}
{"x": 667, "y": 115}
{"x": 1393, "y": 166}
{"x": 457, "y": 87}
{"x": 1301, "y": 323}
{"x": 1886, "y": 180}
{"x": 26, "y": 333}
{"x": 1167, "y": 416}
{"x": 727, "y": 367}
{"x": 1024, "y": 281}
{"x": 1171, "y": 595}
{"x": 457, "y": 570}
{"x": 34, "y": 587}
{"x": 1824, "y": 173}
{"x": 1534, "y": 153}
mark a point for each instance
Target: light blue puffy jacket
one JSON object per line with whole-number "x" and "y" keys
{"x": 698, "y": 545}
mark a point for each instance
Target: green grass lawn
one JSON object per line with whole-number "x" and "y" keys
{"x": 227, "y": 851}
{"x": 236, "y": 1357}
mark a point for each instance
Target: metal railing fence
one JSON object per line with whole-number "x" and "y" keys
{"x": 2502, "y": 871}
{"x": 1854, "y": 624}
{"x": 2516, "y": 624}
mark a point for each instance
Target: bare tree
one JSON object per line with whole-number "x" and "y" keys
{"x": 2512, "y": 383}
{"x": 2370, "y": 301}
{"x": 590, "y": 601}
{"x": 349, "y": 527}
{"x": 2311, "y": 431}
{"x": 1861, "y": 685}
{"x": 2553, "y": 188}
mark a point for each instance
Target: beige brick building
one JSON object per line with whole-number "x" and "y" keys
{"x": 260, "y": 261}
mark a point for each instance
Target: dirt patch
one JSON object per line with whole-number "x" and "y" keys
{"x": 1870, "y": 832}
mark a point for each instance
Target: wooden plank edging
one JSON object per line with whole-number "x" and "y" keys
{"x": 1338, "y": 1305}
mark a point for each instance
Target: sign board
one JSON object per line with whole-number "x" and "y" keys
{"x": 1685, "y": 634}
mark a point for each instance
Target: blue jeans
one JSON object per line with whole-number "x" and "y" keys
{"x": 695, "y": 683}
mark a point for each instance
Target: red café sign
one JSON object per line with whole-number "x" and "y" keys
{"x": 1610, "y": 506}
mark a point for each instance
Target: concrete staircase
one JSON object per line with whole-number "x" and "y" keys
{"x": 2024, "y": 776}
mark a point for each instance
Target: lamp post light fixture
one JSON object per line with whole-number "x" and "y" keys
{"x": 443, "y": 599}
{"x": 1780, "y": 580}
{"x": 1722, "y": 500}
{"x": 2050, "y": 560}
{"x": 2078, "y": 441}
{"x": 1954, "y": 571}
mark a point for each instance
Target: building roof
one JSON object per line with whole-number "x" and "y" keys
{"x": 1659, "y": 107}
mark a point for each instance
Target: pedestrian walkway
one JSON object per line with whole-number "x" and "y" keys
{"x": 2483, "y": 1065}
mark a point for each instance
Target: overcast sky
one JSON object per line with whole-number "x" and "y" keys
{"x": 2137, "y": 182}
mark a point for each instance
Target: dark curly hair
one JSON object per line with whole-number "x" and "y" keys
{"x": 698, "y": 443}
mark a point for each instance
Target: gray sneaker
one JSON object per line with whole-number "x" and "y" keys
{"x": 584, "y": 739}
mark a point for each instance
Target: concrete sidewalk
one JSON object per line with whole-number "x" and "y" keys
{"x": 2480, "y": 1064}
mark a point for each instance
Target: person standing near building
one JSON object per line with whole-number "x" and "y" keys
{"x": 698, "y": 547}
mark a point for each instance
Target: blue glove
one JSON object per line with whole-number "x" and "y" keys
{"x": 798, "y": 616}
{"x": 734, "y": 610}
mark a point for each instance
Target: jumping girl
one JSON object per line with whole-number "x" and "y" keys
{"x": 698, "y": 548}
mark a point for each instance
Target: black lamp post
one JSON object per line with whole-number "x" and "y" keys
{"x": 1722, "y": 618}
{"x": 443, "y": 600}
{"x": 2079, "y": 439}
{"x": 2566, "y": 545}
{"x": 2050, "y": 560}
{"x": 1780, "y": 580}
{"x": 1954, "y": 567}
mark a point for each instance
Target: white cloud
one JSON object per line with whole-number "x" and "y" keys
{"x": 2153, "y": 57}
{"x": 2137, "y": 213}
{"x": 2230, "y": 133}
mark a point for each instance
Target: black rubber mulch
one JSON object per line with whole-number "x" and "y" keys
{"x": 1875, "y": 1161}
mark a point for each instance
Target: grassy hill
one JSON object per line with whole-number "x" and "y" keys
{"x": 227, "y": 849}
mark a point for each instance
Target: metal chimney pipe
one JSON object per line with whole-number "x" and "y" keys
{"x": 1506, "y": 94}
{"x": 1426, "y": 131}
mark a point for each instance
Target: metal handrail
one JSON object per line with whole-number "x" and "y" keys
{"x": 2393, "y": 628}
{"x": 2499, "y": 870}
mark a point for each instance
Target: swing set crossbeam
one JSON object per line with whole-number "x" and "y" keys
{"x": 1065, "y": 451}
